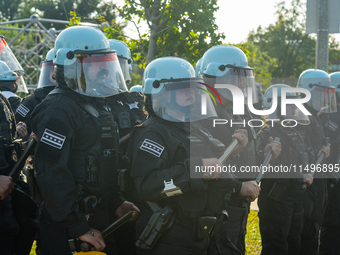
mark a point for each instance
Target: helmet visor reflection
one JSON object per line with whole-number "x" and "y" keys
{"x": 184, "y": 100}
{"x": 46, "y": 77}
{"x": 239, "y": 77}
{"x": 8, "y": 57}
{"x": 323, "y": 99}
{"x": 95, "y": 75}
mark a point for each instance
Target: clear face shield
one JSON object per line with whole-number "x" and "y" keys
{"x": 7, "y": 56}
{"x": 243, "y": 78}
{"x": 323, "y": 99}
{"x": 22, "y": 85}
{"x": 46, "y": 77}
{"x": 126, "y": 69}
{"x": 182, "y": 100}
{"x": 95, "y": 75}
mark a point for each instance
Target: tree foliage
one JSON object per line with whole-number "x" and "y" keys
{"x": 177, "y": 28}
{"x": 287, "y": 42}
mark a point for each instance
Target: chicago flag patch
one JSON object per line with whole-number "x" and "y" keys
{"x": 23, "y": 110}
{"x": 152, "y": 147}
{"x": 53, "y": 139}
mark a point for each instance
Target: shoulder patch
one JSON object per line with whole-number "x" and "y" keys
{"x": 22, "y": 110}
{"x": 152, "y": 147}
{"x": 53, "y": 139}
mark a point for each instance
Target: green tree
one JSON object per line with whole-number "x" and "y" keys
{"x": 260, "y": 61}
{"x": 8, "y": 9}
{"x": 286, "y": 41}
{"x": 183, "y": 28}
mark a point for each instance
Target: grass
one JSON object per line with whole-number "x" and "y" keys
{"x": 253, "y": 237}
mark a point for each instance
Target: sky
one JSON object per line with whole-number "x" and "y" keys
{"x": 236, "y": 18}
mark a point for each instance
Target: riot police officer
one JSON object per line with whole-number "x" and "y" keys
{"x": 224, "y": 64}
{"x": 281, "y": 199}
{"x": 322, "y": 101}
{"x": 76, "y": 157}
{"x": 330, "y": 230}
{"x": 46, "y": 84}
{"x": 166, "y": 151}
{"x": 127, "y": 110}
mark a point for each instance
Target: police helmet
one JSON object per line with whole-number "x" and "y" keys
{"x": 226, "y": 64}
{"x": 86, "y": 63}
{"x": 174, "y": 92}
{"x": 124, "y": 56}
{"x": 335, "y": 80}
{"x": 8, "y": 78}
{"x": 47, "y": 77}
{"x": 318, "y": 82}
{"x": 136, "y": 88}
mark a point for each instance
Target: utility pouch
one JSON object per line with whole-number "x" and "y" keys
{"x": 159, "y": 222}
{"x": 205, "y": 226}
{"x": 277, "y": 191}
{"x": 124, "y": 120}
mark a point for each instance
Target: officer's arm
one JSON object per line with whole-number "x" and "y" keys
{"x": 153, "y": 164}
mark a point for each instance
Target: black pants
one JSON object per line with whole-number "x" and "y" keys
{"x": 231, "y": 237}
{"x": 281, "y": 224}
{"x": 330, "y": 229}
{"x": 179, "y": 240}
{"x": 9, "y": 229}
{"x": 315, "y": 201}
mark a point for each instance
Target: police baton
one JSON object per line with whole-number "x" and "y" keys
{"x": 106, "y": 232}
{"x": 21, "y": 161}
{"x": 263, "y": 165}
{"x": 124, "y": 139}
{"x": 318, "y": 161}
{"x": 228, "y": 150}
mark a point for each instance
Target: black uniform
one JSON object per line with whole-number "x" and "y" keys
{"x": 161, "y": 151}
{"x": 281, "y": 199}
{"x": 9, "y": 229}
{"x": 75, "y": 161}
{"x": 231, "y": 240}
{"x": 330, "y": 230}
{"x": 25, "y": 109}
{"x": 315, "y": 199}
{"x": 128, "y": 110}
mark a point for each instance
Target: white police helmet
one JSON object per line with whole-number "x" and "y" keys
{"x": 90, "y": 66}
{"x": 318, "y": 82}
{"x": 175, "y": 93}
{"x": 226, "y": 64}
{"x": 125, "y": 59}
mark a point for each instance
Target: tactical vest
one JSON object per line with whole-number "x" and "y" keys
{"x": 100, "y": 160}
